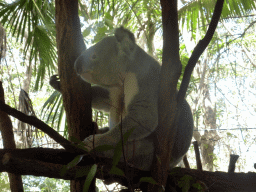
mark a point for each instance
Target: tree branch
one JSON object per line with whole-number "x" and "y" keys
{"x": 6, "y": 129}
{"x": 49, "y": 163}
{"x": 32, "y": 120}
{"x": 198, "y": 50}
{"x": 167, "y": 103}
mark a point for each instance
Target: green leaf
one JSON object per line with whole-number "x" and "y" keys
{"x": 116, "y": 171}
{"x": 103, "y": 148}
{"x": 74, "y": 139}
{"x": 197, "y": 186}
{"x": 63, "y": 170}
{"x": 89, "y": 178}
{"x": 75, "y": 161}
{"x": 87, "y": 31}
{"x": 81, "y": 172}
{"x": 118, "y": 149}
{"x": 184, "y": 183}
{"x": 191, "y": 11}
{"x": 80, "y": 144}
{"x": 148, "y": 180}
{"x": 24, "y": 19}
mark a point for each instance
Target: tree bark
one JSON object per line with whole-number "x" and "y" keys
{"x": 49, "y": 163}
{"x": 24, "y": 130}
{"x": 167, "y": 103}
{"x": 75, "y": 93}
{"x": 9, "y": 143}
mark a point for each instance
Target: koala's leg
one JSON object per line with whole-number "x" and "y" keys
{"x": 140, "y": 154}
{"x": 184, "y": 134}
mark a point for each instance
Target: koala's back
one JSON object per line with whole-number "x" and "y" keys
{"x": 148, "y": 71}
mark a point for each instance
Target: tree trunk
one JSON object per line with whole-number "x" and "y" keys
{"x": 9, "y": 143}
{"x": 76, "y": 94}
{"x": 167, "y": 103}
{"x": 24, "y": 139}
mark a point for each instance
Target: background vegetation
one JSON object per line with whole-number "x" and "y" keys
{"x": 221, "y": 93}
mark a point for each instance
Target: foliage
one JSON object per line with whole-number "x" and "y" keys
{"x": 31, "y": 23}
{"x": 197, "y": 13}
{"x": 4, "y": 183}
{"x": 45, "y": 184}
{"x": 230, "y": 70}
{"x": 53, "y": 110}
{"x": 184, "y": 182}
{"x": 90, "y": 177}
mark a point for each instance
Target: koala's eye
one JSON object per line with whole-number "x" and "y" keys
{"x": 94, "y": 56}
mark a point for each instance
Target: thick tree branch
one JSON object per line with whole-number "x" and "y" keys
{"x": 75, "y": 93}
{"x": 220, "y": 181}
{"x": 49, "y": 163}
{"x": 32, "y": 120}
{"x": 6, "y": 129}
{"x": 167, "y": 104}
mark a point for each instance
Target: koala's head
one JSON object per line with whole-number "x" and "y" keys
{"x": 106, "y": 62}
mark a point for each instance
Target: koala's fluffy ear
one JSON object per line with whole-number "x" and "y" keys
{"x": 126, "y": 40}
{"x": 121, "y": 33}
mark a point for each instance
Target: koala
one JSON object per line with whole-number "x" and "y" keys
{"x": 127, "y": 86}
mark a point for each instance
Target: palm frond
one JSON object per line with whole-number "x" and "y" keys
{"x": 33, "y": 22}
{"x": 198, "y": 12}
{"x": 53, "y": 110}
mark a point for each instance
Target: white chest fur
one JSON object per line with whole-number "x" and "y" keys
{"x": 121, "y": 97}
{"x": 131, "y": 88}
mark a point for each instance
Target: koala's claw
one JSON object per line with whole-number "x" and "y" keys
{"x": 89, "y": 139}
{"x": 55, "y": 82}
{"x": 88, "y": 142}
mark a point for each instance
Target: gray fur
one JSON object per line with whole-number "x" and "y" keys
{"x": 128, "y": 81}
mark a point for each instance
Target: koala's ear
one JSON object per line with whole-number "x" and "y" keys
{"x": 121, "y": 33}
{"x": 126, "y": 40}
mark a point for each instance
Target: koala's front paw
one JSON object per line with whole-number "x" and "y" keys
{"x": 55, "y": 82}
{"x": 90, "y": 142}
{"x": 102, "y": 130}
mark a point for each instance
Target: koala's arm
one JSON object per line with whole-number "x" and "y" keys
{"x": 100, "y": 99}
{"x": 100, "y": 96}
